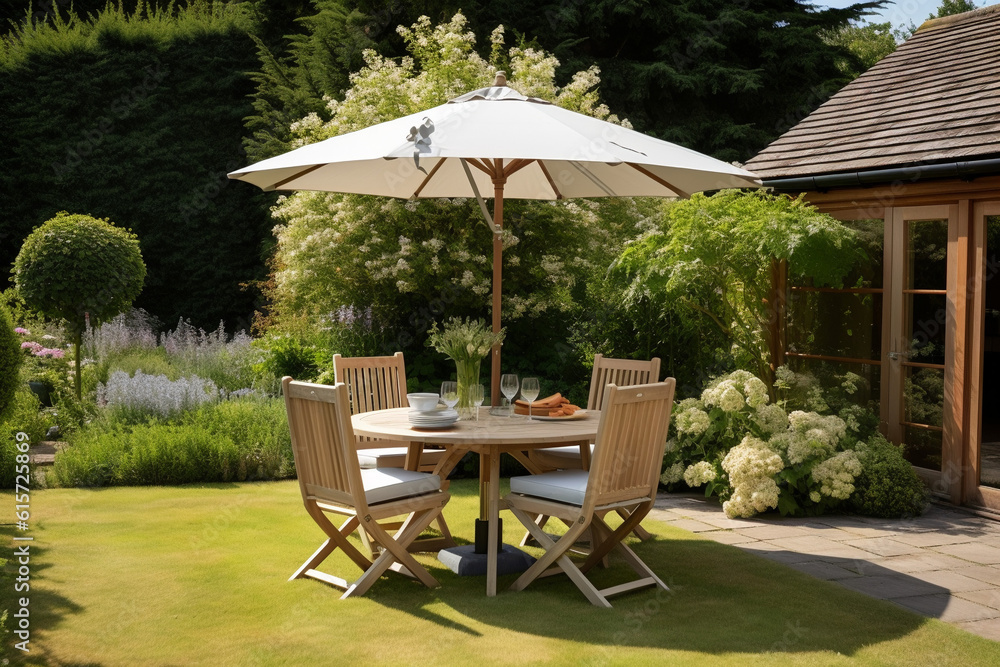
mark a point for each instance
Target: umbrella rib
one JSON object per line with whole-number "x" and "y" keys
{"x": 475, "y": 162}
{"x": 516, "y": 166}
{"x": 434, "y": 169}
{"x": 648, "y": 173}
{"x": 548, "y": 177}
{"x": 297, "y": 175}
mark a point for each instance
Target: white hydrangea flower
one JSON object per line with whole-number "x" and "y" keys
{"x": 673, "y": 474}
{"x": 756, "y": 392}
{"x": 731, "y": 399}
{"x": 700, "y": 473}
{"x": 836, "y": 475}
{"x": 692, "y": 422}
{"x": 751, "y": 467}
{"x": 771, "y": 419}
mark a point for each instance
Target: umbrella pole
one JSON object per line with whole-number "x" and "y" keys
{"x": 498, "y": 184}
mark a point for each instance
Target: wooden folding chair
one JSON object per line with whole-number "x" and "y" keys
{"x": 623, "y": 475}
{"x": 332, "y": 481}
{"x": 621, "y": 372}
{"x": 379, "y": 383}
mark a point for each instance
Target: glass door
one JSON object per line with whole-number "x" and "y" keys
{"x": 920, "y": 334}
{"x": 983, "y": 455}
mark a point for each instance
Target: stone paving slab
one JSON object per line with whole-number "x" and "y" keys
{"x": 990, "y": 575}
{"x": 988, "y": 598}
{"x": 891, "y": 586}
{"x": 983, "y": 554}
{"x": 949, "y": 609}
{"x": 944, "y": 564}
{"x": 824, "y": 570}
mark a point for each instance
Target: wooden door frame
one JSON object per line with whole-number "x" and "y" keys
{"x": 972, "y": 492}
{"x": 948, "y": 481}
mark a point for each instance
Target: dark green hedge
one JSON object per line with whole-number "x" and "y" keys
{"x": 139, "y": 120}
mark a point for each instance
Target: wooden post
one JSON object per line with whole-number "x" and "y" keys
{"x": 499, "y": 180}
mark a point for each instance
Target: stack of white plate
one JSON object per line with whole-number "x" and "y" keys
{"x": 436, "y": 418}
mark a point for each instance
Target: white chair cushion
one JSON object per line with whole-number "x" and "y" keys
{"x": 385, "y": 484}
{"x": 569, "y": 452}
{"x": 395, "y": 457}
{"x": 564, "y": 486}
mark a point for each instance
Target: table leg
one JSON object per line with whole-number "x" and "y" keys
{"x": 493, "y": 508}
{"x": 412, "y": 460}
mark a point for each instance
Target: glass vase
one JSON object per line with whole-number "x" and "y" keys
{"x": 467, "y": 374}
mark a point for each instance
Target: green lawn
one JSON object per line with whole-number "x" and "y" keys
{"x": 197, "y": 575}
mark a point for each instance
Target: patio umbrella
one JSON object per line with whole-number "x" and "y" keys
{"x": 521, "y": 147}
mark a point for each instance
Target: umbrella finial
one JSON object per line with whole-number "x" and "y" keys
{"x": 501, "y": 79}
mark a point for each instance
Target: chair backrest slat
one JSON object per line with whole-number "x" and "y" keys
{"x": 630, "y": 441}
{"x": 373, "y": 383}
{"x": 621, "y": 372}
{"x": 326, "y": 460}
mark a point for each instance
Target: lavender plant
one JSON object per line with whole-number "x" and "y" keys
{"x": 144, "y": 395}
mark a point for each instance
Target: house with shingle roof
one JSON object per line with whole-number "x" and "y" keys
{"x": 908, "y": 154}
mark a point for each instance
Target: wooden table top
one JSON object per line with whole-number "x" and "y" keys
{"x": 490, "y": 430}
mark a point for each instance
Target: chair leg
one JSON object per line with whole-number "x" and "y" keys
{"x": 639, "y": 531}
{"x": 613, "y": 537}
{"x": 395, "y": 551}
{"x": 555, "y": 554}
{"x": 337, "y": 538}
{"x": 540, "y": 521}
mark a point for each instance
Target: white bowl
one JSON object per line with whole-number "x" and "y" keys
{"x": 423, "y": 402}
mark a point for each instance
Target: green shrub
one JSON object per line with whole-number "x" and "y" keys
{"x": 288, "y": 354}
{"x": 24, "y": 417}
{"x": 10, "y": 362}
{"x": 888, "y": 487}
{"x": 236, "y": 440}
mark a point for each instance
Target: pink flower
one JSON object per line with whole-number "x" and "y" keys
{"x": 21, "y": 330}
{"x": 31, "y": 345}
{"x": 49, "y": 352}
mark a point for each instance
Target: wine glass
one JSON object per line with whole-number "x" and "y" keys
{"x": 476, "y": 395}
{"x": 449, "y": 394}
{"x": 508, "y": 385}
{"x": 530, "y": 389}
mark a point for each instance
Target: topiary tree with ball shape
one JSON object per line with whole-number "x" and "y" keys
{"x": 75, "y": 266}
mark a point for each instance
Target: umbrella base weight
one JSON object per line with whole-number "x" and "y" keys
{"x": 465, "y": 562}
{"x": 483, "y": 535}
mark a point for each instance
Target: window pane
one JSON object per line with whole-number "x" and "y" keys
{"x": 927, "y": 316}
{"x": 923, "y": 396}
{"x": 922, "y": 447}
{"x": 839, "y": 324}
{"x": 868, "y": 271}
{"x": 843, "y": 385}
{"x": 928, "y": 243}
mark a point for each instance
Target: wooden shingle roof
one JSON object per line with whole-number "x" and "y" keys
{"x": 935, "y": 99}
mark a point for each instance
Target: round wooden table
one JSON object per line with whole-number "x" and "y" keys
{"x": 489, "y": 437}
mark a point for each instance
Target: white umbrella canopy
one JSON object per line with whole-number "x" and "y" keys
{"x": 521, "y": 147}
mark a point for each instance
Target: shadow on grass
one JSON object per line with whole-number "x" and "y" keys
{"x": 46, "y": 609}
{"x": 721, "y": 600}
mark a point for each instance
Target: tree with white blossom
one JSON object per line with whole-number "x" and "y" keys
{"x": 336, "y": 250}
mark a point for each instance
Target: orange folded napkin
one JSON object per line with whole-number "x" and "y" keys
{"x": 550, "y": 406}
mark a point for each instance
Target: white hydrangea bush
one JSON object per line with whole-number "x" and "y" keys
{"x": 756, "y": 456}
